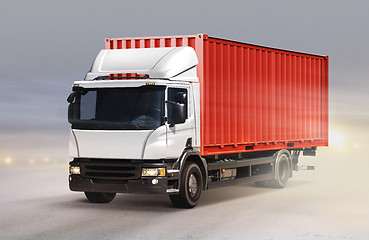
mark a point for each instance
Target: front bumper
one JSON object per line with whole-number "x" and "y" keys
{"x": 120, "y": 176}
{"x": 142, "y": 185}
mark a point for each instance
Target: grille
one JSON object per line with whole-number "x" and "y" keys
{"x": 110, "y": 170}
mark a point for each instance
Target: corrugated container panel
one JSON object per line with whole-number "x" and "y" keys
{"x": 253, "y": 98}
{"x": 258, "y": 98}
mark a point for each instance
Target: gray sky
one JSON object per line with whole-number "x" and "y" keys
{"x": 46, "y": 45}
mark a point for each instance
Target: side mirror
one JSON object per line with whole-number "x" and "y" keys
{"x": 71, "y": 97}
{"x": 178, "y": 113}
{"x": 70, "y": 112}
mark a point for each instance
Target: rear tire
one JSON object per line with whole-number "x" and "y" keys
{"x": 282, "y": 171}
{"x": 190, "y": 187}
{"x": 98, "y": 197}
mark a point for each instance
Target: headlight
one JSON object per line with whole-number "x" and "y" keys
{"x": 153, "y": 172}
{"x": 74, "y": 170}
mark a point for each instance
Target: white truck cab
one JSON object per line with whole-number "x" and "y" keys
{"x": 145, "y": 102}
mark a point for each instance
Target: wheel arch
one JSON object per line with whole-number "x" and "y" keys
{"x": 190, "y": 155}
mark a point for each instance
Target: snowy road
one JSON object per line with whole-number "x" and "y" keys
{"x": 329, "y": 203}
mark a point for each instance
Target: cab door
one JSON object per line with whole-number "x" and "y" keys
{"x": 178, "y": 134}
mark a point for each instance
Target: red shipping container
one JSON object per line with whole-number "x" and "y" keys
{"x": 253, "y": 98}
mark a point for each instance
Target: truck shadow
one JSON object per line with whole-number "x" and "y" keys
{"x": 224, "y": 194}
{"x": 159, "y": 202}
{"x": 125, "y": 202}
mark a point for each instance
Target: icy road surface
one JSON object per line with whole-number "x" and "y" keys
{"x": 331, "y": 202}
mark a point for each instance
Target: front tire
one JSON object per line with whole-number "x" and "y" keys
{"x": 190, "y": 187}
{"x": 98, "y": 197}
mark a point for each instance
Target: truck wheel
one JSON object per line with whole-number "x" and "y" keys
{"x": 282, "y": 171}
{"x": 98, "y": 197}
{"x": 191, "y": 187}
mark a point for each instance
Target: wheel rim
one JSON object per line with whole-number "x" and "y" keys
{"x": 192, "y": 185}
{"x": 283, "y": 170}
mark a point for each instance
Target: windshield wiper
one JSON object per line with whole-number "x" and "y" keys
{"x": 109, "y": 77}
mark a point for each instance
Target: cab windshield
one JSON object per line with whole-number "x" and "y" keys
{"x": 118, "y": 108}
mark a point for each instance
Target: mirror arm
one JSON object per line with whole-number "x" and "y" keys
{"x": 71, "y": 97}
{"x": 171, "y": 102}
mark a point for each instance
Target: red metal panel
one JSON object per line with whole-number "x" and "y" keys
{"x": 289, "y": 100}
{"x": 282, "y": 95}
{"x": 282, "y": 102}
{"x": 240, "y": 95}
{"x": 253, "y": 98}
{"x": 246, "y": 96}
{"x": 325, "y": 101}
{"x": 253, "y": 95}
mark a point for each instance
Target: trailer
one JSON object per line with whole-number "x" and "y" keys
{"x": 182, "y": 114}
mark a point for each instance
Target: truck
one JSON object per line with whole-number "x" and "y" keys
{"x": 178, "y": 115}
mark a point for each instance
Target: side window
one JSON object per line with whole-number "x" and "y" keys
{"x": 88, "y": 105}
{"x": 172, "y": 92}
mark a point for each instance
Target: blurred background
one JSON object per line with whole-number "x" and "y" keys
{"x": 46, "y": 45}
